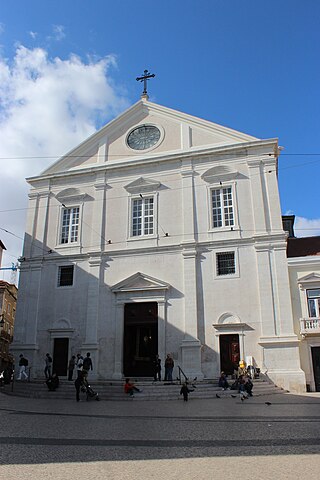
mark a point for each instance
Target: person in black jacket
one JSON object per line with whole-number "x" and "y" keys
{"x": 87, "y": 363}
{"x": 53, "y": 382}
{"x": 185, "y": 391}
{"x": 157, "y": 368}
{"x": 23, "y": 363}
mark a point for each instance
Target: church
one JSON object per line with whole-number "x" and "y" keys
{"x": 159, "y": 234}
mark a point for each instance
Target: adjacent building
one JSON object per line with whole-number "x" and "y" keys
{"x": 8, "y": 301}
{"x": 304, "y": 274}
{"x": 161, "y": 233}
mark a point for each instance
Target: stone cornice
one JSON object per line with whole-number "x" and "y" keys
{"x": 165, "y": 157}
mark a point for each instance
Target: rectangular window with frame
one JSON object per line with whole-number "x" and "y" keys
{"x": 65, "y": 276}
{"x": 70, "y": 225}
{"x": 225, "y": 263}
{"x": 142, "y": 217}
{"x": 222, "y": 207}
{"x": 313, "y": 297}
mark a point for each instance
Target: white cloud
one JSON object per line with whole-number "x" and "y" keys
{"x": 33, "y": 35}
{"x": 305, "y": 227}
{"x": 58, "y": 31}
{"x": 47, "y": 107}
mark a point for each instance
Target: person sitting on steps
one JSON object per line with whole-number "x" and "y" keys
{"x": 130, "y": 388}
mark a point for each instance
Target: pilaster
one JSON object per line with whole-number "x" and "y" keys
{"x": 190, "y": 346}
{"x": 118, "y": 345}
{"x": 258, "y": 203}
{"x": 188, "y": 202}
{"x": 98, "y": 220}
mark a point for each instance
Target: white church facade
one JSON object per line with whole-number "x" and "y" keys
{"x": 161, "y": 233}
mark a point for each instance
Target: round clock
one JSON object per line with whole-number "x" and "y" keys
{"x": 143, "y": 137}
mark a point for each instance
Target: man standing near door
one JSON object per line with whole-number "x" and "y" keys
{"x": 168, "y": 368}
{"x": 47, "y": 370}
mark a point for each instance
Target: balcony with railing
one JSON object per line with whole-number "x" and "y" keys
{"x": 310, "y": 326}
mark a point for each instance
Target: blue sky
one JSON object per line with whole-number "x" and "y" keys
{"x": 250, "y": 65}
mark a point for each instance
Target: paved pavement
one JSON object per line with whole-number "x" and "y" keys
{"x": 203, "y": 439}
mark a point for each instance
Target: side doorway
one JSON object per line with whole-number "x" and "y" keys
{"x": 140, "y": 338}
{"x": 315, "y": 351}
{"x": 229, "y": 353}
{"x": 60, "y": 356}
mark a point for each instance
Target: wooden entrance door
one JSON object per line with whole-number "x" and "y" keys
{"x": 229, "y": 353}
{"x": 60, "y": 356}
{"x": 316, "y": 366}
{"x": 140, "y": 338}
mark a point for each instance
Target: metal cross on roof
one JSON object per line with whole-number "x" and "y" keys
{"x": 146, "y": 76}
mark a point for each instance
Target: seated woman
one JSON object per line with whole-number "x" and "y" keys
{"x": 223, "y": 382}
{"x": 53, "y": 382}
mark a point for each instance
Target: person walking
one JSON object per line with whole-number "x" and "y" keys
{"x": 47, "y": 369}
{"x": 185, "y": 391}
{"x": 23, "y": 363}
{"x": 80, "y": 383}
{"x": 71, "y": 365}
{"x": 168, "y": 368}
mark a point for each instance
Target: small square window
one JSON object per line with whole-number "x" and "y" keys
{"x": 65, "y": 276}
{"x": 226, "y": 263}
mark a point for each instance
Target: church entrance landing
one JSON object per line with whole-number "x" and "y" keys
{"x": 140, "y": 338}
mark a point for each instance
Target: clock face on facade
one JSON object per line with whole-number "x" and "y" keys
{"x": 143, "y": 137}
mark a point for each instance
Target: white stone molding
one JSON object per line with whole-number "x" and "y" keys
{"x": 220, "y": 173}
{"x": 312, "y": 280}
{"x": 71, "y": 196}
{"x": 143, "y": 185}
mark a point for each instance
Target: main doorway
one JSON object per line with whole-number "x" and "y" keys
{"x": 140, "y": 338}
{"x": 60, "y": 356}
{"x": 316, "y": 366}
{"x": 229, "y": 353}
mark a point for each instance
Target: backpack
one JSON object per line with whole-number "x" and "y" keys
{"x": 49, "y": 359}
{"x": 25, "y": 362}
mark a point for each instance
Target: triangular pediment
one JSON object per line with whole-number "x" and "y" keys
{"x": 142, "y": 185}
{"x": 311, "y": 278}
{"x": 179, "y": 133}
{"x": 139, "y": 282}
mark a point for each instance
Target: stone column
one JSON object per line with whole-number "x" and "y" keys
{"x": 92, "y": 315}
{"x": 188, "y": 202}
{"x": 162, "y": 331}
{"x": 190, "y": 346}
{"x": 258, "y": 203}
{"x": 118, "y": 344}
{"x": 98, "y": 220}
{"x": 272, "y": 189}
{"x": 281, "y": 360}
{"x": 40, "y": 241}
{"x": 266, "y": 288}
{"x": 31, "y": 224}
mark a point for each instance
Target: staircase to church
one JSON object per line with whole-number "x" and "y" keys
{"x": 113, "y": 390}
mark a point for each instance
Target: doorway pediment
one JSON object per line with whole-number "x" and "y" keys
{"x": 310, "y": 279}
{"x": 139, "y": 282}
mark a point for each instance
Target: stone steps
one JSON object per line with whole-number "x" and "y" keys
{"x": 113, "y": 390}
